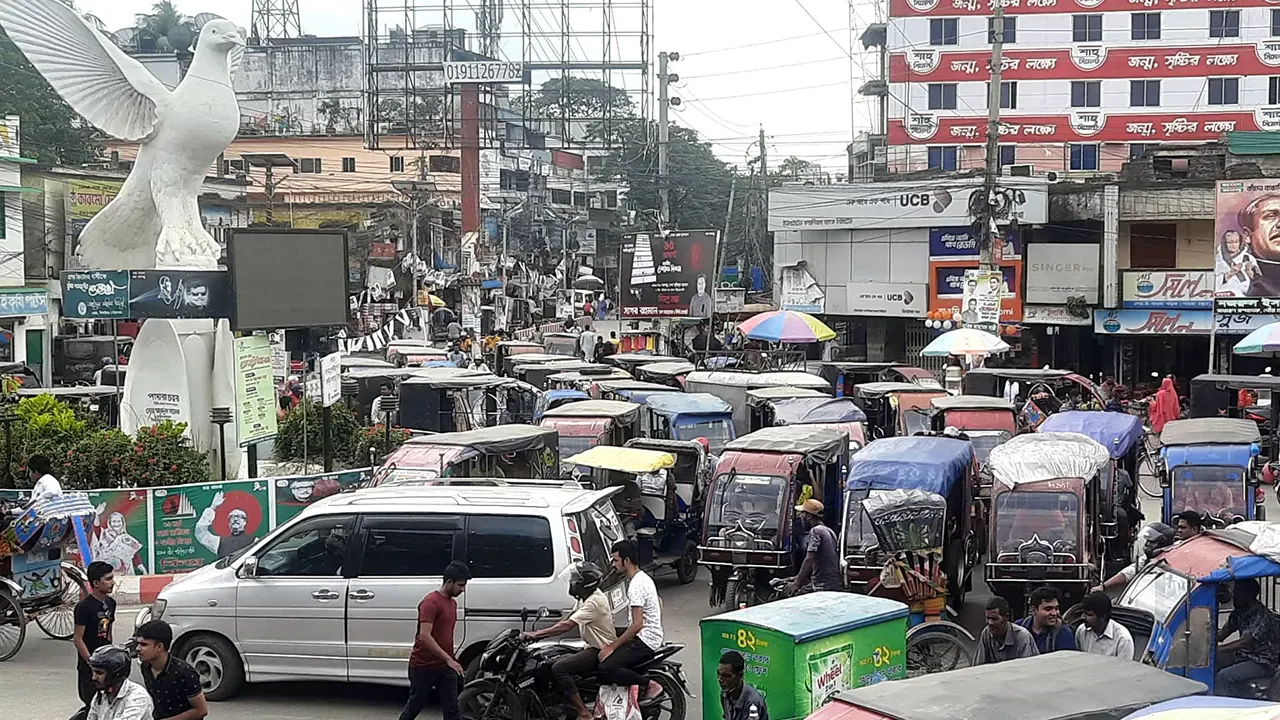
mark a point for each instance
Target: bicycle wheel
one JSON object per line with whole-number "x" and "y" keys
{"x": 1148, "y": 476}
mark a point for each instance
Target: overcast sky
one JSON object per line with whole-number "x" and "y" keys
{"x": 793, "y": 79}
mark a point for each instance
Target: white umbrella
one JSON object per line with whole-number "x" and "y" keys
{"x": 965, "y": 341}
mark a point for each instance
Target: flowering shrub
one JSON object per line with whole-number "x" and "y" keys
{"x": 290, "y": 447}
{"x": 375, "y": 439}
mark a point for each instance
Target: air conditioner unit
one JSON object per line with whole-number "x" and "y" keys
{"x": 1022, "y": 170}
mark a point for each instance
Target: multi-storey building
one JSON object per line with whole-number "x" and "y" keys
{"x": 1087, "y": 84}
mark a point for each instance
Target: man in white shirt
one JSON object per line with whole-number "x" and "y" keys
{"x": 118, "y": 697}
{"x": 643, "y": 637}
{"x": 587, "y": 343}
{"x": 46, "y": 485}
{"x": 376, "y": 414}
{"x": 1100, "y": 634}
{"x": 594, "y": 619}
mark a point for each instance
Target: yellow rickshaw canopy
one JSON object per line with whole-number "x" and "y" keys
{"x": 623, "y": 459}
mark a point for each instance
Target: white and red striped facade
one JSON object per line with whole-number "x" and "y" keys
{"x": 1199, "y": 49}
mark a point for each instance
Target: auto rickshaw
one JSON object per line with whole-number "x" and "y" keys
{"x": 584, "y": 424}
{"x": 987, "y": 422}
{"x": 890, "y": 407}
{"x": 504, "y": 350}
{"x": 1121, "y": 434}
{"x": 636, "y": 391}
{"x": 1055, "y": 386}
{"x": 538, "y": 375}
{"x": 554, "y": 399}
{"x": 732, "y": 386}
{"x": 1222, "y": 395}
{"x": 507, "y": 451}
{"x": 688, "y": 416}
{"x": 657, "y": 508}
{"x": 749, "y": 533}
{"x": 1053, "y": 686}
{"x": 670, "y": 373}
{"x": 586, "y": 379}
{"x": 561, "y": 343}
{"x": 1046, "y": 516}
{"x": 1211, "y": 465}
{"x": 908, "y": 535}
{"x": 1174, "y": 607}
{"x": 455, "y": 399}
{"x": 843, "y": 375}
{"x": 760, "y": 403}
{"x": 692, "y": 461}
{"x": 512, "y": 362}
{"x": 629, "y": 361}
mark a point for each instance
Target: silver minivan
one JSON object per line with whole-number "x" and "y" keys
{"x": 333, "y": 594}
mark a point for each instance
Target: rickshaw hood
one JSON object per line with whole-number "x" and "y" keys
{"x": 1117, "y": 432}
{"x": 817, "y": 443}
{"x": 1259, "y": 543}
{"x": 1215, "y": 554}
{"x": 1222, "y": 455}
{"x": 1046, "y": 456}
{"x": 933, "y": 464}
{"x": 816, "y": 410}
{"x": 623, "y": 459}
{"x": 758, "y": 463}
{"x": 575, "y": 426}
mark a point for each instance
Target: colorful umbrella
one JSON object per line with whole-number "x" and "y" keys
{"x": 965, "y": 341}
{"x": 786, "y": 326}
{"x": 1263, "y": 341}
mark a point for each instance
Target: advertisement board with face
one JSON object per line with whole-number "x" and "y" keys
{"x": 1247, "y": 239}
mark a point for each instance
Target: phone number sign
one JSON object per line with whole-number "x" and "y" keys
{"x": 456, "y": 73}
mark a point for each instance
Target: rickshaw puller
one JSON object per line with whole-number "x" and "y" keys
{"x": 1256, "y": 652}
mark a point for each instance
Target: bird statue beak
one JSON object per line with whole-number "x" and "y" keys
{"x": 235, "y": 39}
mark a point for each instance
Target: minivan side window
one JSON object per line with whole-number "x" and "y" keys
{"x": 505, "y": 546}
{"x": 312, "y": 548}
{"x": 408, "y": 547}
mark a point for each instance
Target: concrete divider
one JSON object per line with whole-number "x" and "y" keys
{"x": 140, "y": 589}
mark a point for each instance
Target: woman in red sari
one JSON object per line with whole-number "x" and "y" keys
{"x": 1165, "y": 405}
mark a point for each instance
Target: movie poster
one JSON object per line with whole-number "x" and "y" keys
{"x": 1246, "y": 236}
{"x": 201, "y": 524}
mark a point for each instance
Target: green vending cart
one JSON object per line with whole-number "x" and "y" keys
{"x": 802, "y": 650}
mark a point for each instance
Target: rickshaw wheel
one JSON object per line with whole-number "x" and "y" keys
{"x": 687, "y": 566}
{"x": 13, "y": 625}
{"x": 59, "y": 622}
{"x": 934, "y": 652}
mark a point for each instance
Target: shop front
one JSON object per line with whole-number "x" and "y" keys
{"x": 25, "y": 327}
{"x": 1062, "y": 286}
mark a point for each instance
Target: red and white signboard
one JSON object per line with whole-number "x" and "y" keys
{"x": 1087, "y": 62}
{"x": 954, "y": 8}
{"x": 1091, "y": 126}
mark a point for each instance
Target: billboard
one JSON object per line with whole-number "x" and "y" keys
{"x": 1246, "y": 236}
{"x": 980, "y": 305}
{"x": 917, "y": 204}
{"x": 142, "y": 294}
{"x": 1190, "y": 289}
{"x": 947, "y": 288}
{"x": 668, "y": 276}
{"x": 313, "y": 293}
{"x": 1058, "y": 272}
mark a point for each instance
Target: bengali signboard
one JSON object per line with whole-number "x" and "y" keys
{"x": 887, "y": 299}
{"x": 1177, "y": 322}
{"x": 982, "y": 294}
{"x": 1172, "y": 289}
{"x": 142, "y": 294}
{"x": 21, "y": 302}
{"x": 294, "y": 494}
{"x": 255, "y": 389}
{"x": 200, "y": 524}
{"x": 668, "y": 275}
{"x": 960, "y": 243}
{"x": 1247, "y": 239}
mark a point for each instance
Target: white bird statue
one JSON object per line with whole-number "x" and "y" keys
{"x": 155, "y": 219}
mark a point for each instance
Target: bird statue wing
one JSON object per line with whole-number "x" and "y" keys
{"x": 102, "y": 83}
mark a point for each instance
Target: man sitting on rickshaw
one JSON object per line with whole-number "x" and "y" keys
{"x": 1253, "y": 655}
{"x": 1155, "y": 539}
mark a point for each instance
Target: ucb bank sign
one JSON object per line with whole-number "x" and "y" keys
{"x": 932, "y": 203}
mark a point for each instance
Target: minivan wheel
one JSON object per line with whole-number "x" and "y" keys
{"x": 217, "y": 663}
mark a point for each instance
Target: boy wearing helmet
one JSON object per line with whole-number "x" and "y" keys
{"x": 593, "y": 618}
{"x": 117, "y": 697}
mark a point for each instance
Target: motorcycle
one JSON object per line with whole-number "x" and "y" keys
{"x": 515, "y": 682}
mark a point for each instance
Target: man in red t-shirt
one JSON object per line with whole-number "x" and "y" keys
{"x": 432, "y": 664}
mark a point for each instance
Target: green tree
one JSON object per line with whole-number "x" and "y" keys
{"x": 576, "y": 98}
{"x": 163, "y": 18}
{"x": 793, "y": 167}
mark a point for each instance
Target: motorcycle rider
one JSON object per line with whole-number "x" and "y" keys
{"x": 117, "y": 697}
{"x": 593, "y": 618}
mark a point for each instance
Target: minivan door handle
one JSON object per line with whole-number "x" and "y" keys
{"x": 361, "y": 595}
{"x": 325, "y": 594}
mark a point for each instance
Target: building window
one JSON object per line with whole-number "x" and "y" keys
{"x": 942, "y": 31}
{"x": 1009, "y": 95}
{"x": 311, "y": 166}
{"x": 1008, "y": 155}
{"x": 1086, "y": 93}
{"x": 1086, "y": 28}
{"x": 1273, "y": 90}
{"x": 1144, "y": 93}
{"x": 1275, "y": 23}
{"x": 1137, "y": 150}
{"x": 1224, "y": 91}
{"x": 1224, "y": 23}
{"x": 397, "y": 163}
{"x": 348, "y": 164}
{"x": 1145, "y": 26}
{"x": 942, "y": 96}
{"x": 561, "y": 197}
{"x": 444, "y": 164}
{"x": 232, "y": 167}
{"x": 943, "y": 157}
{"x": 1084, "y": 157}
{"x": 1010, "y": 30}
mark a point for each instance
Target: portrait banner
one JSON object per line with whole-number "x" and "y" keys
{"x": 196, "y": 525}
{"x": 121, "y": 534}
{"x": 1246, "y": 236}
{"x": 294, "y": 493}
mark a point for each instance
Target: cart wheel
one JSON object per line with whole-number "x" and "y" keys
{"x": 934, "y": 652}
{"x": 59, "y": 622}
{"x": 13, "y": 625}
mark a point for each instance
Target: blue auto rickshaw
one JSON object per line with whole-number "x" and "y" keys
{"x": 1121, "y": 434}
{"x": 1175, "y": 605}
{"x": 688, "y": 416}
{"x": 552, "y": 399}
{"x": 1211, "y": 466}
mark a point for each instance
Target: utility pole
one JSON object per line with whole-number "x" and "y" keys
{"x": 664, "y": 107}
{"x": 986, "y": 213}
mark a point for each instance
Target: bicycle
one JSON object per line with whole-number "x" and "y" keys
{"x": 1148, "y": 467}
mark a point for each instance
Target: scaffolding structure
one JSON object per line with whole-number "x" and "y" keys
{"x": 587, "y": 70}
{"x": 274, "y": 19}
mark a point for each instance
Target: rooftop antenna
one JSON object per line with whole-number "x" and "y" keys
{"x": 274, "y": 19}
